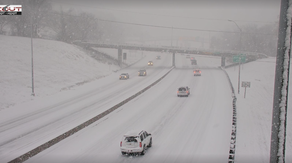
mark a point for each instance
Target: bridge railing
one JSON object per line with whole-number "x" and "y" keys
{"x": 173, "y": 49}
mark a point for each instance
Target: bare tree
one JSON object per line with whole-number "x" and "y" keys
{"x": 86, "y": 24}
{"x": 33, "y": 13}
{"x": 261, "y": 39}
{"x": 62, "y": 34}
{"x": 66, "y": 26}
{"x": 3, "y": 22}
{"x": 3, "y": 18}
{"x": 39, "y": 9}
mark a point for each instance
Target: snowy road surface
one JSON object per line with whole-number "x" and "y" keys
{"x": 192, "y": 129}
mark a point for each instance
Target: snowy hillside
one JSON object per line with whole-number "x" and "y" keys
{"x": 57, "y": 66}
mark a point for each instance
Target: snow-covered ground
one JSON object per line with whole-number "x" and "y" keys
{"x": 57, "y": 66}
{"x": 71, "y": 87}
{"x": 255, "y": 111}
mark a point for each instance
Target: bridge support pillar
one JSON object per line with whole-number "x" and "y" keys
{"x": 173, "y": 59}
{"x": 120, "y": 53}
{"x": 222, "y": 61}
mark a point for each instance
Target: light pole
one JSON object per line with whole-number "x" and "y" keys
{"x": 239, "y": 33}
{"x": 171, "y": 35}
{"x": 31, "y": 42}
{"x": 238, "y": 86}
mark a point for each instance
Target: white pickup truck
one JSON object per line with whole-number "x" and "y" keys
{"x": 135, "y": 142}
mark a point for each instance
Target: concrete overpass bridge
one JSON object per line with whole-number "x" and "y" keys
{"x": 172, "y": 50}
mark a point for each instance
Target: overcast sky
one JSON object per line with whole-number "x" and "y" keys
{"x": 193, "y": 14}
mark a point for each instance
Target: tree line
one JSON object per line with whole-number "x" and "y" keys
{"x": 253, "y": 38}
{"x": 39, "y": 20}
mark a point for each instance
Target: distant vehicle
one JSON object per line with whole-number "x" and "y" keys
{"x": 193, "y": 62}
{"x": 187, "y": 56}
{"x": 135, "y": 142}
{"x": 183, "y": 91}
{"x": 150, "y": 63}
{"x": 124, "y": 76}
{"x": 158, "y": 57}
{"x": 142, "y": 73}
{"x": 197, "y": 72}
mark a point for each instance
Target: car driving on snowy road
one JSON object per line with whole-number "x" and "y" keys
{"x": 150, "y": 63}
{"x": 134, "y": 142}
{"x": 124, "y": 76}
{"x": 197, "y": 72}
{"x": 142, "y": 73}
{"x": 183, "y": 91}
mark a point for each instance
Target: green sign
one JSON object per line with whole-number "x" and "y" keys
{"x": 240, "y": 58}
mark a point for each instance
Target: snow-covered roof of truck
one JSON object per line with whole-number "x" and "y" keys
{"x": 132, "y": 133}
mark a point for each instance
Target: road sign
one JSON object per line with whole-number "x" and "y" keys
{"x": 245, "y": 84}
{"x": 235, "y": 59}
{"x": 240, "y": 58}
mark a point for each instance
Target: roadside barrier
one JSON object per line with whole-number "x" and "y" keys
{"x": 231, "y": 156}
{"x": 65, "y": 135}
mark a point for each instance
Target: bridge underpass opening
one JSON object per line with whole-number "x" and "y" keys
{"x": 222, "y": 61}
{"x": 120, "y": 57}
{"x": 120, "y": 52}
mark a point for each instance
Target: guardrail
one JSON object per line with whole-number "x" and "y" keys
{"x": 231, "y": 156}
{"x": 65, "y": 135}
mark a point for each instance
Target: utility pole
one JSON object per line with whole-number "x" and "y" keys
{"x": 279, "y": 123}
{"x": 31, "y": 42}
{"x": 238, "y": 86}
{"x": 171, "y": 35}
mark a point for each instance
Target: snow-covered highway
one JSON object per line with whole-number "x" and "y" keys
{"x": 192, "y": 129}
{"x": 42, "y": 120}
